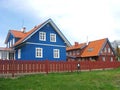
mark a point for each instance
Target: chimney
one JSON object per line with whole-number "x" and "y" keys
{"x": 23, "y": 29}
{"x": 35, "y": 26}
{"x": 76, "y": 43}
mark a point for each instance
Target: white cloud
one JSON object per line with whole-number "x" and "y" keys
{"x": 77, "y": 19}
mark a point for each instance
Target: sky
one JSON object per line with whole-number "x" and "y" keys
{"x": 78, "y": 20}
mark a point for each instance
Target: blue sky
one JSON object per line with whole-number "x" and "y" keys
{"x": 77, "y": 19}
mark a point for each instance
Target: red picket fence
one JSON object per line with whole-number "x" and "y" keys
{"x": 19, "y": 66}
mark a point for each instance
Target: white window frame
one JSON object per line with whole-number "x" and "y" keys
{"x": 109, "y": 50}
{"x": 19, "y": 53}
{"x": 56, "y": 53}
{"x": 70, "y": 53}
{"x": 8, "y": 45}
{"x": 52, "y": 37}
{"x": 42, "y": 36}
{"x": 105, "y": 49}
{"x": 39, "y": 53}
{"x": 13, "y": 41}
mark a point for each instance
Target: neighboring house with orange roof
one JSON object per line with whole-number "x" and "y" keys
{"x": 44, "y": 41}
{"x": 6, "y": 53}
{"x": 95, "y": 50}
{"x": 75, "y": 50}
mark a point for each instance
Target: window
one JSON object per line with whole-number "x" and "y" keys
{"x": 108, "y": 50}
{"x": 42, "y": 36}
{"x": 90, "y": 58}
{"x": 39, "y": 52}
{"x": 73, "y": 52}
{"x": 105, "y": 50}
{"x": 90, "y": 49}
{"x": 103, "y": 58}
{"x": 19, "y": 53}
{"x": 13, "y": 41}
{"x": 78, "y": 52}
{"x": 52, "y": 37}
{"x": 56, "y": 53}
{"x": 8, "y": 45}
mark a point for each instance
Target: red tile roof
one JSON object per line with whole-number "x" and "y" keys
{"x": 17, "y": 34}
{"x": 77, "y": 46}
{"x": 27, "y": 34}
{"x": 93, "y": 48}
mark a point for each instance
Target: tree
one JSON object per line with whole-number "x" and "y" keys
{"x": 118, "y": 52}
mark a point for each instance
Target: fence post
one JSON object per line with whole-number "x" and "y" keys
{"x": 46, "y": 66}
{"x": 71, "y": 66}
{"x": 13, "y": 74}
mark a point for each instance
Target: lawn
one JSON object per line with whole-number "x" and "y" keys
{"x": 94, "y": 80}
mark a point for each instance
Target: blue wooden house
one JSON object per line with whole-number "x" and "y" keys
{"x": 44, "y": 41}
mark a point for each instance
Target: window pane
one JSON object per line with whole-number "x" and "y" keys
{"x": 19, "y": 53}
{"x": 39, "y": 52}
{"x": 56, "y": 53}
{"x": 42, "y": 36}
{"x": 53, "y": 37}
{"x": 13, "y": 41}
{"x": 108, "y": 50}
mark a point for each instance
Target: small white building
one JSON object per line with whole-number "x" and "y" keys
{"x": 6, "y": 53}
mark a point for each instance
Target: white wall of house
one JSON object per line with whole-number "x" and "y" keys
{"x": 4, "y": 55}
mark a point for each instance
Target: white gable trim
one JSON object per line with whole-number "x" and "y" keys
{"x": 8, "y": 35}
{"x": 45, "y": 44}
{"x": 56, "y": 29}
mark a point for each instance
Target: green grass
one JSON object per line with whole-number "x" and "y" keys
{"x": 94, "y": 80}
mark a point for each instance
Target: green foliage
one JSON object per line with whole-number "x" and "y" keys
{"x": 118, "y": 51}
{"x": 94, "y": 80}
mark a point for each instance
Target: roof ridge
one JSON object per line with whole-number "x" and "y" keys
{"x": 98, "y": 40}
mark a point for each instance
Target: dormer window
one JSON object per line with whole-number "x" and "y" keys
{"x": 42, "y": 36}
{"x": 90, "y": 49}
{"x": 52, "y": 37}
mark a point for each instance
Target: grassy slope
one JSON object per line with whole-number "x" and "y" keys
{"x": 94, "y": 80}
